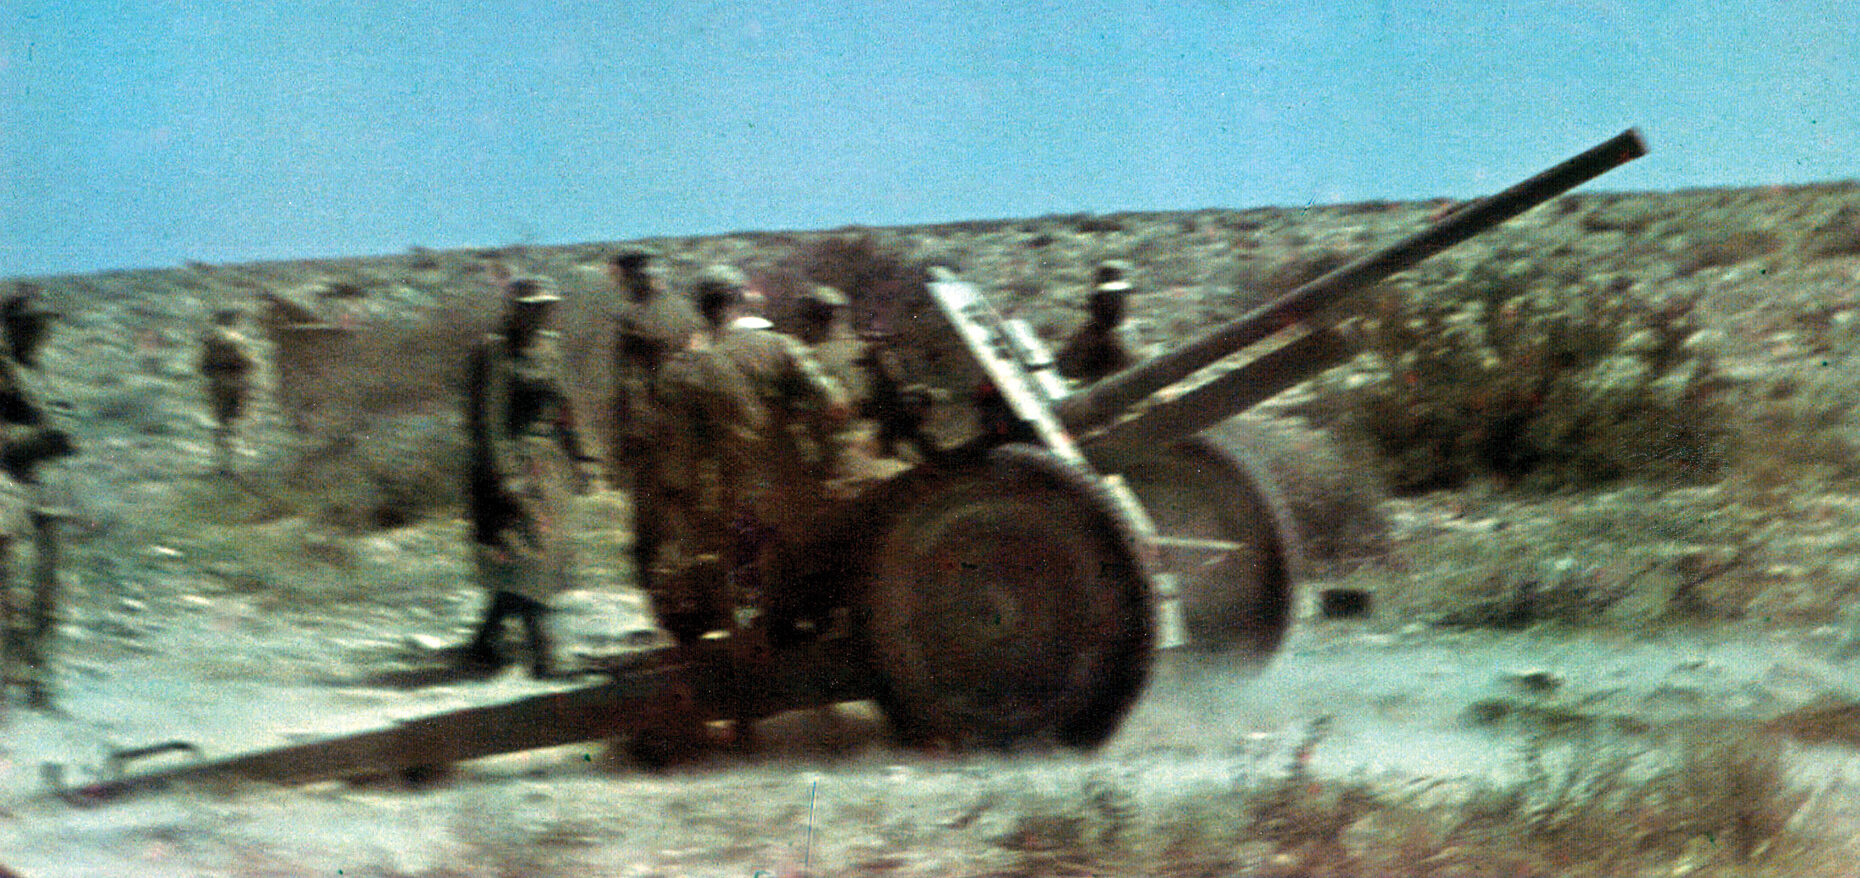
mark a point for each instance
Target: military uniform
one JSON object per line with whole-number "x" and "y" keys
{"x": 647, "y": 333}
{"x": 739, "y": 406}
{"x": 1092, "y": 354}
{"x": 787, "y": 409}
{"x": 847, "y": 462}
{"x": 523, "y": 470}
{"x": 227, "y": 362}
{"x": 652, "y": 327}
{"x": 27, "y": 438}
{"x": 1095, "y": 351}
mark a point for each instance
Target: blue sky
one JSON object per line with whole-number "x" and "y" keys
{"x": 141, "y": 134}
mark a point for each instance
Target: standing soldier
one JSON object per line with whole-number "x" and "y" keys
{"x": 736, "y": 401}
{"x": 822, "y": 325}
{"x": 525, "y": 459}
{"x": 651, "y": 326}
{"x": 227, "y": 362}
{"x": 848, "y": 460}
{"x": 26, "y": 440}
{"x": 1095, "y": 351}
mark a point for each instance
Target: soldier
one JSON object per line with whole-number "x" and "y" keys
{"x": 525, "y": 459}
{"x": 849, "y": 458}
{"x": 737, "y": 401}
{"x": 227, "y": 363}
{"x": 1095, "y": 351}
{"x": 650, "y": 327}
{"x": 822, "y": 326}
{"x": 27, "y": 439}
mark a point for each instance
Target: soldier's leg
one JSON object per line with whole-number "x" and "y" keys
{"x": 649, "y": 530}
{"x": 226, "y": 407}
{"x": 483, "y": 648}
{"x": 222, "y": 448}
{"x": 10, "y": 659}
{"x": 44, "y": 606}
{"x": 542, "y": 663}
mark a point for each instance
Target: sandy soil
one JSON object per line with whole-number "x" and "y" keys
{"x": 826, "y": 794}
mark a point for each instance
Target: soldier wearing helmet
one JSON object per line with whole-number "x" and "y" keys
{"x": 849, "y": 459}
{"x": 524, "y": 465}
{"x": 1095, "y": 351}
{"x": 27, "y": 439}
{"x": 736, "y": 402}
{"x": 226, "y": 361}
{"x": 651, "y": 326}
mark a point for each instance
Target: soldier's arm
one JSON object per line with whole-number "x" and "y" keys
{"x": 548, "y": 355}
{"x": 810, "y": 382}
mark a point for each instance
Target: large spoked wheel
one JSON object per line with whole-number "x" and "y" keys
{"x": 1218, "y": 538}
{"x": 1007, "y": 608}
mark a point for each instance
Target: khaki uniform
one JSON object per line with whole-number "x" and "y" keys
{"x": 524, "y": 450}
{"x": 786, "y": 395}
{"x": 227, "y": 362}
{"x": 26, "y": 623}
{"x": 849, "y": 460}
{"x": 734, "y": 465}
{"x": 647, "y": 334}
{"x": 1092, "y": 354}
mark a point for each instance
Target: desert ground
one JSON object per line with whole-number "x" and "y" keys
{"x": 1596, "y": 469}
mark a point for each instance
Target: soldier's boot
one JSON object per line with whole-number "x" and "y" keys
{"x": 482, "y": 651}
{"x": 44, "y": 621}
{"x": 542, "y": 656}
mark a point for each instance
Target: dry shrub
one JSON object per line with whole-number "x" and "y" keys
{"x": 1802, "y": 419}
{"x": 1530, "y": 372}
{"x": 395, "y": 472}
{"x": 1713, "y": 803}
{"x": 884, "y": 286}
{"x": 1726, "y": 249}
{"x": 1616, "y": 213}
{"x": 1628, "y": 558}
{"x": 1838, "y": 236}
{"x": 1258, "y": 284}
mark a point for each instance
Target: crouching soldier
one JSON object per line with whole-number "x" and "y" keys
{"x": 27, "y": 440}
{"x": 525, "y": 463}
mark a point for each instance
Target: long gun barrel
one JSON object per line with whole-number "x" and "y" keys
{"x": 1111, "y": 398}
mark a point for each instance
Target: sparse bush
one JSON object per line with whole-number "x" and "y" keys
{"x": 1515, "y": 370}
{"x": 1092, "y": 224}
{"x": 1630, "y": 558}
{"x": 395, "y": 473}
{"x": 1261, "y": 285}
{"x": 1803, "y": 417}
{"x": 1725, "y": 249}
{"x": 883, "y": 286}
{"x": 1839, "y": 236}
{"x": 1595, "y": 803}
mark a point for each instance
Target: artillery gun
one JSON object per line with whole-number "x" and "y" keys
{"x": 1009, "y": 590}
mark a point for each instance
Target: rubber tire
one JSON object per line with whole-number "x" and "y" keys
{"x": 1006, "y": 608}
{"x": 1196, "y": 488}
